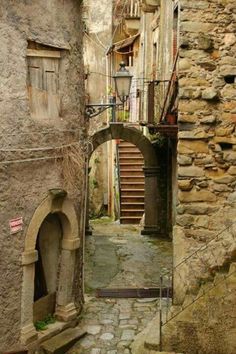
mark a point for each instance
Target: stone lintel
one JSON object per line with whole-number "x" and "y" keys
{"x": 151, "y": 171}
{"x": 29, "y": 257}
{"x": 28, "y": 334}
{"x": 70, "y": 244}
{"x": 66, "y": 313}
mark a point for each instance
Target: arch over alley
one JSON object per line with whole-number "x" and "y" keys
{"x": 151, "y": 170}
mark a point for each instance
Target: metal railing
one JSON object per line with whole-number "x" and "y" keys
{"x": 206, "y": 260}
{"x": 133, "y": 9}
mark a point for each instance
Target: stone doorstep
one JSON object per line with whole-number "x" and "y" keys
{"x": 62, "y": 342}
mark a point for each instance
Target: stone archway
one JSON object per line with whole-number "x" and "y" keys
{"x": 55, "y": 203}
{"x": 151, "y": 169}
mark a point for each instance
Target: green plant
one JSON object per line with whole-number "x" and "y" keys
{"x": 158, "y": 139}
{"x": 42, "y": 325}
{"x": 96, "y": 160}
{"x": 123, "y": 116}
{"x": 95, "y": 183}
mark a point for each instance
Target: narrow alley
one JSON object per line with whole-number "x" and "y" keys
{"x": 118, "y": 257}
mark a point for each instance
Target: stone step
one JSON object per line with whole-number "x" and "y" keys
{"x": 132, "y": 198}
{"x": 130, "y": 220}
{"x": 132, "y": 179}
{"x": 132, "y": 185}
{"x": 133, "y": 205}
{"x": 129, "y": 152}
{"x": 62, "y": 342}
{"x": 134, "y": 191}
{"x": 132, "y": 212}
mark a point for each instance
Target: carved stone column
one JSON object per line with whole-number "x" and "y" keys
{"x": 65, "y": 308}
{"x": 28, "y": 331}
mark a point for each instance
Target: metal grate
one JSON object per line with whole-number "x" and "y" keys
{"x": 134, "y": 293}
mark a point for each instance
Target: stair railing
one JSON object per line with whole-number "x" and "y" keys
{"x": 118, "y": 177}
{"x": 208, "y": 259}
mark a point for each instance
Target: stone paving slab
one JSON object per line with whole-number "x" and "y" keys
{"x": 118, "y": 257}
{"x": 111, "y": 328}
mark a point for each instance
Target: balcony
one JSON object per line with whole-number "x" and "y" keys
{"x": 132, "y": 16}
{"x": 133, "y": 9}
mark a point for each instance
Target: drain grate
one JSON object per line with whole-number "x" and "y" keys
{"x": 134, "y": 293}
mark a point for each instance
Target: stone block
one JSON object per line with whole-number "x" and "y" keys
{"x": 188, "y": 118}
{"x": 190, "y": 93}
{"x": 185, "y": 220}
{"x": 62, "y": 342}
{"x": 196, "y": 208}
{"x": 193, "y": 82}
{"x": 232, "y": 170}
{"x": 197, "y": 27}
{"x": 208, "y": 119}
{"x": 193, "y": 135}
{"x": 205, "y": 42}
{"x": 210, "y": 94}
{"x": 225, "y": 139}
{"x": 227, "y": 70}
{"x": 229, "y": 39}
{"x": 230, "y": 156}
{"x": 184, "y": 160}
{"x": 232, "y": 197}
{"x": 190, "y": 147}
{"x": 225, "y": 129}
{"x": 196, "y": 196}
{"x": 192, "y": 106}
{"x": 200, "y": 4}
{"x": 226, "y": 179}
{"x": 229, "y": 92}
{"x": 185, "y": 184}
{"x": 190, "y": 171}
{"x": 185, "y": 64}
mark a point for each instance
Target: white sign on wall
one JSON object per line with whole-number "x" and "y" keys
{"x": 16, "y": 225}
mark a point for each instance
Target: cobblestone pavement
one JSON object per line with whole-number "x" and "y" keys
{"x": 118, "y": 257}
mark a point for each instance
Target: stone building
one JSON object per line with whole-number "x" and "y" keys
{"x": 200, "y": 319}
{"x": 42, "y": 202}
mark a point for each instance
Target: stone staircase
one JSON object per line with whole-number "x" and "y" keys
{"x": 206, "y": 325}
{"x": 132, "y": 185}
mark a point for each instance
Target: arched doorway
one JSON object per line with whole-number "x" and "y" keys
{"x": 52, "y": 233}
{"x": 152, "y": 225}
{"x": 48, "y": 246}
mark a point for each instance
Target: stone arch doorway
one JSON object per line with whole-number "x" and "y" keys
{"x": 58, "y": 210}
{"x": 151, "y": 170}
{"x": 48, "y": 246}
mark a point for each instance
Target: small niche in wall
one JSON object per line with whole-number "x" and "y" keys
{"x": 230, "y": 79}
{"x": 225, "y": 146}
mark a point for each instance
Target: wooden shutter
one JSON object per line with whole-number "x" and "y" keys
{"x": 43, "y": 83}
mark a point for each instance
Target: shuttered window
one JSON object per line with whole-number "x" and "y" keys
{"x": 43, "y": 83}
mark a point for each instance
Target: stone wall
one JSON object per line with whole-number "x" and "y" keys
{"x": 25, "y": 184}
{"x": 207, "y": 136}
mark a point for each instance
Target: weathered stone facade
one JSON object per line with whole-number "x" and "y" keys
{"x": 29, "y": 145}
{"x": 206, "y": 145}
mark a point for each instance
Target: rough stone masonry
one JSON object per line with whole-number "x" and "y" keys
{"x": 207, "y": 136}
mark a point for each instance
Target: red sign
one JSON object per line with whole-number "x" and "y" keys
{"x": 16, "y": 225}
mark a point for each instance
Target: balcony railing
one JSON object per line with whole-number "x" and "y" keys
{"x": 133, "y": 9}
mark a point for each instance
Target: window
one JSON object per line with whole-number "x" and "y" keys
{"x": 43, "y": 82}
